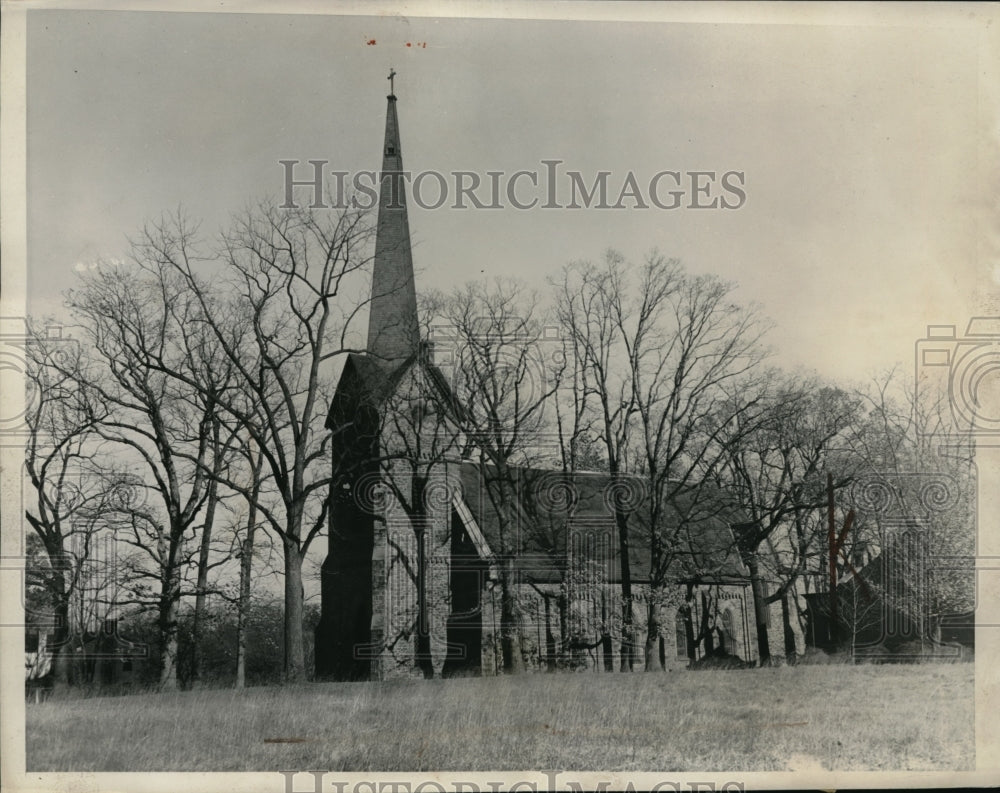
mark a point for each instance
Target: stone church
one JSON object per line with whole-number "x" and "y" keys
{"x": 411, "y": 583}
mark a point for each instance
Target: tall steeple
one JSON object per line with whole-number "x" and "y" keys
{"x": 393, "y": 330}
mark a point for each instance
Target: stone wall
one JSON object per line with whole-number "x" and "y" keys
{"x": 576, "y": 614}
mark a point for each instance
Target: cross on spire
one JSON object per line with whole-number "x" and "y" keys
{"x": 392, "y": 88}
{"x": 393, "y": 330}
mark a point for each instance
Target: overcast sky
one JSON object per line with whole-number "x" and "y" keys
{"x": 867, "y": 149}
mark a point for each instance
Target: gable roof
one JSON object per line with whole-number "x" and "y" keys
{"x": 562, "y": 518}
{"x": 557, "y": 516}
{"x": 367, "y": 381}
{"x": 363, "y": 380}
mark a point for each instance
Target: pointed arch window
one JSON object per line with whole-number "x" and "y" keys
{"x": 680, "y": 635}
{"x": 728, "y": 632}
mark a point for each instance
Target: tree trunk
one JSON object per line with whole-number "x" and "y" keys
{"x": 759, "y": 609}
{"x": 61, "y": 650}
{"x": 510, "y": 623}
{"x": 171, "y": 548}
{"x": 653, "y": 636}
{"x": 422, "y": 646}
{"x": 246, "y": 569}
{"x": 97, "y": 678}
{"x": 607, "y": 649}
{"x": 705, "y": 630}
{"x": 200, "y": 593}
{"x": 424, "y": 658}
{"x": 853, "y": 622}
{"x": 61, "y": 654}
{"x": 241, "y": 640}
{"x": 169, "y": 607}
{"x": 621, "y": 521}
{"x": 510, "y": 634}
{"x": 563, "y": 605}
{"x": 692, "y": 644}
{"x": 786, "y": 621}
{"x": 295, "y": 652}
{"x": 550, "y": 639}
{"x": 243, "y": 601}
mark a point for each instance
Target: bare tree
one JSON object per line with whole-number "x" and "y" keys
{"x": 283, "y": 321}
{"x": 137, "y": 378}
{"x": 660, "y": 348}
{"x": 501, "y": 386}
{"x": 580, "y": 449}
{"x": 919, "y": 473}
{"x": 776, "y": 472}
{"x": 209, "y": 375}
{"x": 204, "y": 563}
{"x": 246, "y": 554}
{"x": 69, "y": 490}
{"x": 591, "y": 307}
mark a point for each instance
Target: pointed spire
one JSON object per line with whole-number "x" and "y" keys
{"x": 393, "y": 329}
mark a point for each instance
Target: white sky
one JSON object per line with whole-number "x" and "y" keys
{"x": 868, "y": 149}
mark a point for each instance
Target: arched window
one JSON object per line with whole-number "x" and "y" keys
{"x": 728, "y": 632}
{"x": 680, "y": 635}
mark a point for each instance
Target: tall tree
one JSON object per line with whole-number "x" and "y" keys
{"x": 502, "y": 384}
{"x": 138, "y": 379}
{"x": 777, "y": 474}
{"x": 917, "y": 472}
{"x": 69, "y": 490}
{"x": 245, "y": 555}
{"x": 209, "y": 375}
{"x": 661, "y": 347}
{"x": 284, "y": 318}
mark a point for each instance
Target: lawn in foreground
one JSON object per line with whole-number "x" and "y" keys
{"x": 840, "y": 717}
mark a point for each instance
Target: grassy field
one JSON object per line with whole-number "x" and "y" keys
{"x": 834, "y": 717}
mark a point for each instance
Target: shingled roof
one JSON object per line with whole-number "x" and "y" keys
{"x": 368, "y": 382}
{"x": 563, "y": 516}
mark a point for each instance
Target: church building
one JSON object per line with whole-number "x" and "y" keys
{"x": 417, "y": 559}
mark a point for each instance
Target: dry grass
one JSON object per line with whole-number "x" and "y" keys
{"x": 835, "y": 717}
